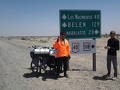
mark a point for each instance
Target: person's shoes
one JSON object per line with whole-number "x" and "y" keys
{"x": 106, "y": 77}
{"x": 115, "y": 78}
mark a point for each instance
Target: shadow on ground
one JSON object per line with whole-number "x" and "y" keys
{"x": 49, "y": 74}
{"x": 104, "y": 77}
{"x": 79, "y": 69}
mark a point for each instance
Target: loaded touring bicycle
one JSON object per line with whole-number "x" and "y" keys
{"x": 43, "y": 58}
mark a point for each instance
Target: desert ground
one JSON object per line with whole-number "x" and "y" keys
{"x": 15, "y": 73}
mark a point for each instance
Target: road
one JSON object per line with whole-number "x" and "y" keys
{"x": 15, "y": 73}
{"x": 13, "y": 61}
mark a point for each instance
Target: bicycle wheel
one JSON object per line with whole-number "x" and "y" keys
{"x": 34, "y": 66}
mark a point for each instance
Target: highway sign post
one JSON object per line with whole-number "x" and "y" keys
{"x": 81, "y": 24}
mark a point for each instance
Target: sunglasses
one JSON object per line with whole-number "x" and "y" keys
{"x": 112, "y": 33}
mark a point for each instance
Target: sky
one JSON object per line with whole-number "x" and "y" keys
{"x": 41, "y": 17}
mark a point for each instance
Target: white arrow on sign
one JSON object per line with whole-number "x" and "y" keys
{"x": 64, "y": 17}
{"x": 96, "y": 31}
{"x": 64, "y": 25}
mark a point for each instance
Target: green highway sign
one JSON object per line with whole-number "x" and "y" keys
{"x": 80, "y": 23}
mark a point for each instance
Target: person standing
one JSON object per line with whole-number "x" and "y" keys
{"x": 112, "y": 47}
{"x": 63, "y": 53}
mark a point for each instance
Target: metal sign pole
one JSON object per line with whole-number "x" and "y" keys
{"x": 94, "y": 60}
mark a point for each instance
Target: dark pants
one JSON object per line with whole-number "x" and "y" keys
{"x": 62, "y": 61}
{"x": 112, "y": 59}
